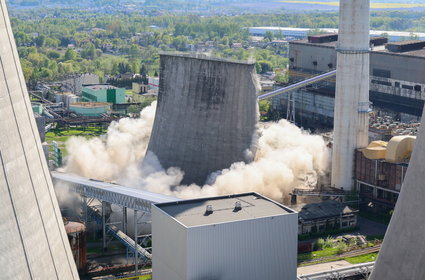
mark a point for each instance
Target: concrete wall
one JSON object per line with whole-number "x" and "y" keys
{"x": 206, "y": 115}
{"x": 402, "y": 253}
{"x": 33, "y": 243}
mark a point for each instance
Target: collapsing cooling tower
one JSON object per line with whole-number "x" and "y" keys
{"x": 206, "y": 115}
{"x": 402, "y": 254}
{"x": 33, "y": 243}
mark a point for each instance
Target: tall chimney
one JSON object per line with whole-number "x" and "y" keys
{"x": 351, "y": 117}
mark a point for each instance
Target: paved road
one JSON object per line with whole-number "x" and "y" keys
{"x": 321, "y": 267}
{"x": 368, "y": 227}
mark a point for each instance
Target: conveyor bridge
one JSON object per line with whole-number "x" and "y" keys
{"x": 298, "y": 85}
{"x": 112, "y": 193}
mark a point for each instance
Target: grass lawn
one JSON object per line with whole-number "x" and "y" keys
{"x": 61, "y": 135}
{"x": 317, "y": 254}
{"x": 363, "y": 258}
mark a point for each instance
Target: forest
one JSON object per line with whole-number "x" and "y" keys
{"x": 53, "y": 43}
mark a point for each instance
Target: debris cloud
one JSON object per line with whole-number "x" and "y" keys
{"x": 286, "y": 157}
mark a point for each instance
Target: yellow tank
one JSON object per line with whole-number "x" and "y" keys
{"x": 375, "y": 150}
{"x": 400, "y": 148}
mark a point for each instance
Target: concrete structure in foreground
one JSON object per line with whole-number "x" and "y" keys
{"x": 244, "y": 236}
{"x": 206, "y": 114}
{"x": 402, "y": 253}
{"x": 351, "y": 116}
{"x": 33, "y": 242}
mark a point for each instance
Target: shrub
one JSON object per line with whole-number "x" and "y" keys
{"x": 341, "y": 248}
{"x": 329, "y": 243}
{"x": 319, "y": 244}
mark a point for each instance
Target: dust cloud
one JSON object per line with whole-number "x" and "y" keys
{"x": 286, "y": 157}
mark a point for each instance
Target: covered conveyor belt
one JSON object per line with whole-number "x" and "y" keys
{"x": 124, "y": 196}
{"x": 298, "y": 85}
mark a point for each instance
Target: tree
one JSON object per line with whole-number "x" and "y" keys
{"x": 269, "y": 36}
{"x": 40, "y": 40}
{"x": 53, "y": 55}
{"x": 264, "y": 107}
{"x": 266, "y": 66}
{"x": 134, "y": 51}
{"x": 70, "y": 54}
{"x": 89, "y": 51}
{"x": 143, "y": 70}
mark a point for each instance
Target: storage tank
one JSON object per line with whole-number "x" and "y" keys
{"x": 77, "y": 239}
{"x": 90, "y": 109}
{"x": 206, "y": 114}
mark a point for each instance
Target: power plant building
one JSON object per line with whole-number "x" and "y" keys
{"x": 396, "y": 81}
{"x": 245, "y": 236}
{"x": 33, "y": 242}
{"x": 206, "y": 115}
{"x": 103, "y": 93}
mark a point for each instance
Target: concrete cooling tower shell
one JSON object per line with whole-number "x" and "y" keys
{"x": 33, "y": 243}
{"x": 402, "y": 254}
{"x": 206, "y": 115}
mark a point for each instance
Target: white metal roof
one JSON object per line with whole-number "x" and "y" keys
{"x": 194, "y": 212}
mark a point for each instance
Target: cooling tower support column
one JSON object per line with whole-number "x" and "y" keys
{"x": 351, "y": 117}
{"x": 33, "y": 242}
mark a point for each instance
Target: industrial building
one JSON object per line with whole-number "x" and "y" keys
{"x": 76, "y": 82}
{"x": 245, "y": 236}
{"x": 33, "y": 242}
{"x": 67, "y": 98}
{"x": 206, "y": 115}
{"x": 380, "y": 169}
{"x": 90, "y": 109}
{"x": 396, "y": 80}
{"x": 103, "y": 93}
{"x": 139, "y": 88}
{"x": 324, "y": 216}
{"x": 153, "y": 84}
{"x": 303, "y": 33}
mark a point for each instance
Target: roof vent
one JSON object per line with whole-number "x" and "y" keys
{"x": 238, "y": 206}
{"x": 209, "y": 210}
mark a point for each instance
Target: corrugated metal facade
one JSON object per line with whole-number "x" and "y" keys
{"x": 263, "y": 248}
